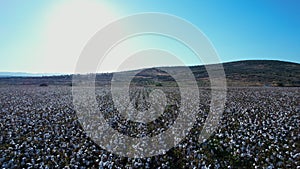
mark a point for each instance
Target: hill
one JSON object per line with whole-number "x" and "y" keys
{"x": 261, "y": 73}
{"x": 239, "y": 73}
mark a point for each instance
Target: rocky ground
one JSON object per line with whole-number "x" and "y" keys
{"x": 259, "y": 129}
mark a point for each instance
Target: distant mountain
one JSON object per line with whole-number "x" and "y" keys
{"x": 239, "y": 73}
{"x": 22, "y": 74}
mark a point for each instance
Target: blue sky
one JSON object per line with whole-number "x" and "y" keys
{"x": 32, "y": 32}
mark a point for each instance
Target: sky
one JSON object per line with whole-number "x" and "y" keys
{"x": 48, "y": 36}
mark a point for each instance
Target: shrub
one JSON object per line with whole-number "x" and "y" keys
{"x": 158, "y": 84}
{"x": 43, "y": 85}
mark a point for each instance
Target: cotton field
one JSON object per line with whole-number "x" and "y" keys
{"x": 259, "y": 128}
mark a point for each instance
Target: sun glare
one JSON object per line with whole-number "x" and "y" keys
{"x": 68, "y": 26}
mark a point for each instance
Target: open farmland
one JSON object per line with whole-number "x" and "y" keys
{"x": 259, "y": 129}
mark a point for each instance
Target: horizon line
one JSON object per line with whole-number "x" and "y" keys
{"x": 39, "y": 74}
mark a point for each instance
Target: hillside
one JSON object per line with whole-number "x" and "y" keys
{"x": 239, "y": 73}
{"x": 261, "y": 73}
